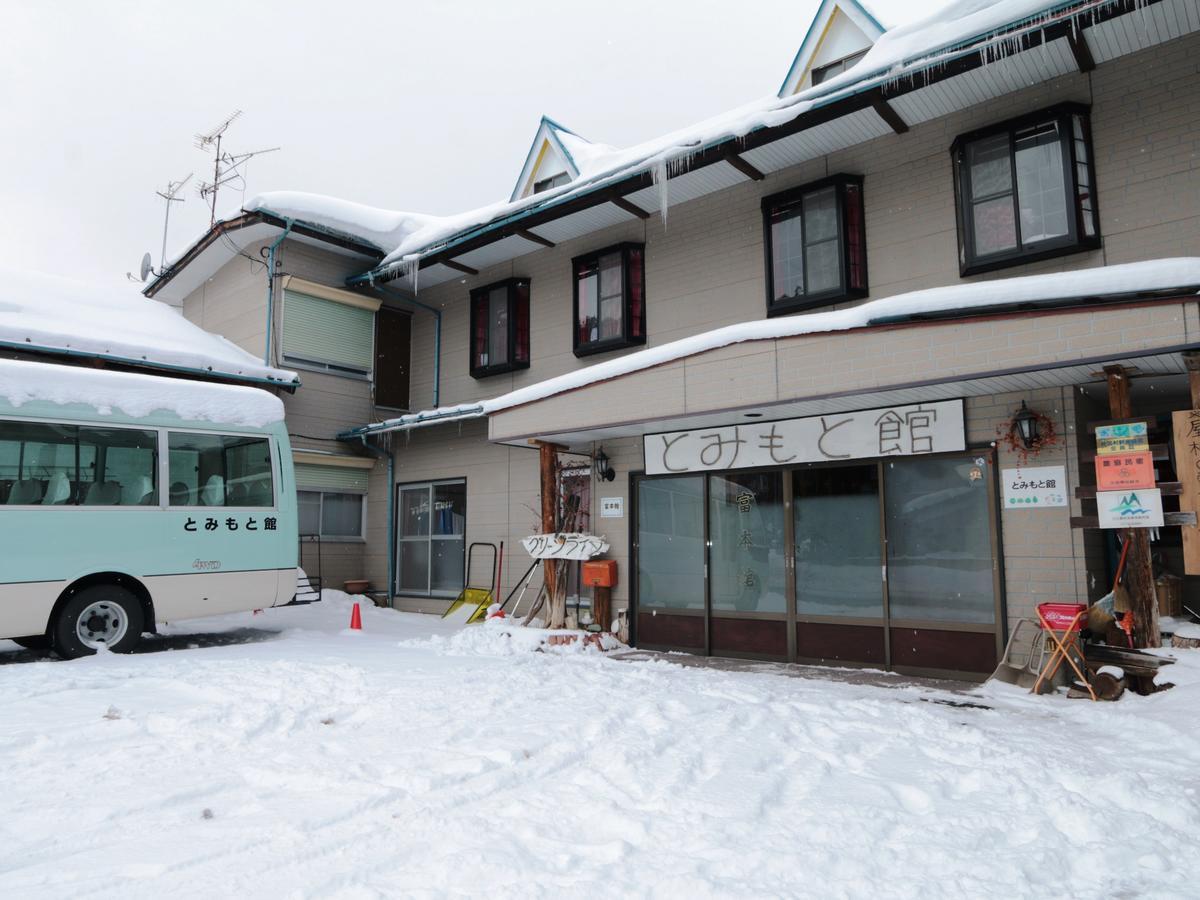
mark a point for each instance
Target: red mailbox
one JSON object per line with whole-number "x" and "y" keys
{"x": 600, "y": 573}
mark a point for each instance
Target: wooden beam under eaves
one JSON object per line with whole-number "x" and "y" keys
{"x": 535, "y": 238}
{"x": 466, "y": 270}
{"x": 744, "y": 167}
{"x": 631, "y": 208}
{"x": 1081, "y": 51}
{"x": 887, "y": 112}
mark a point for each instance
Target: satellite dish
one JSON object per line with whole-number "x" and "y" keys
{"x": 146, "y": 269}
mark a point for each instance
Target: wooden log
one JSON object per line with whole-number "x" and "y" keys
{"x": 1184, "y": 642}
{"x": 1108, "y": 686}
{"x": 602, "y": 607}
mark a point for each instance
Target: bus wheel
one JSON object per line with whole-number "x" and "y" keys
{"x": 33, "y": 642}
{"x": 101, "y": 616}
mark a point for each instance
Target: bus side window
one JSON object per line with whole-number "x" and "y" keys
{"x": 117, "y": 467}
{"x": 37, "y": 463}
{"x": 220, "y": 470}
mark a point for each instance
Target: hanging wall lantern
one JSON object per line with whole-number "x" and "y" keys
{"x": 1027, "y": 426}
{"x": 604, "y": 471}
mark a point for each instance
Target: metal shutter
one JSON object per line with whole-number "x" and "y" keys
{"x": 327, "y": 331}
{"x": 343, "y": 479}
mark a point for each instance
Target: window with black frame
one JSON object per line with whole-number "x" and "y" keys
{"x": 500, "y": 328}
{"x": 1025, "y": 190}
{"x": 609, "y": 299}
{"x": 816, "y": 245}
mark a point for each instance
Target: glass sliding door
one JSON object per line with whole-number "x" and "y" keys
{"x": 430, "y": 535}
{"x": 747, "y": 564}
{"x": 670, "y": 563}
{"x": 838, "y": 541}
{"x": 942, "y": 562}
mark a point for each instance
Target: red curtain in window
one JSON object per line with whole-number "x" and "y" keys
{"x": 637, "y": 290}
{"x": 521, "y": 350}
{"x": 855, "y": 244}
{"x": 479, "y": 315}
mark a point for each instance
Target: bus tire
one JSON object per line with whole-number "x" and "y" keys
{"x": 33, "y": 642}
{"x": 104, "y": 614}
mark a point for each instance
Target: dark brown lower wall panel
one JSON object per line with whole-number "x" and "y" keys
{"x": 958, "y": 650}
{"x": 761, "y": 637}
{"x": 665, "y": 630}
{"x": 840, "y": 643}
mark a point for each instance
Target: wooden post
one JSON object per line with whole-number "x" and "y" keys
{"x": 602, "y": 607}
{"x": 548, "y": 463}
{"x": 1139, "y": 576}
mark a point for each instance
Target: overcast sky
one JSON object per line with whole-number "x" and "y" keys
{"x": 428, "y": 107}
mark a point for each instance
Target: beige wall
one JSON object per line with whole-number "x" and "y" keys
{"x": 706, "y": 268}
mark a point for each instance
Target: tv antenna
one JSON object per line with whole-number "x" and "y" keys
{"x": 226, "y": 166}
{"x": 171, "y": 195}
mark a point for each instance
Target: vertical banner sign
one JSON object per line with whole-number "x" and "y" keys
{"x": 1186, "y": 432}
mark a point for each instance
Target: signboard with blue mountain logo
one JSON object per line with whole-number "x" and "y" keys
{"x": 1130, "y": 509}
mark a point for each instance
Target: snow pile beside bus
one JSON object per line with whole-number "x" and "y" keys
{"x": 137, "y": 395}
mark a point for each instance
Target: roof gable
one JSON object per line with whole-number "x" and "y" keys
{"x": 548, "y": 156}
{"x": 839, "y": 28}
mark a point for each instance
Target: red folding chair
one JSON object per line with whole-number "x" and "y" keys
{"x": 1063, "y": 619}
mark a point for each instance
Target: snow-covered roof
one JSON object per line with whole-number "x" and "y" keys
{"x": 555, "y": 150}
{"x": 1030, "y": 291}
{"x": 49, "y": 314}
{"x": 936, "y": 39}
{"x": 381, "y": 228}
{"x": 137, "y": 395}
{"x": 838, "y": 29}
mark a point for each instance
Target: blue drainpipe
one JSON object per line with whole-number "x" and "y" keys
{"x": 271, "y": 288}
{"x": 379, "y": 453}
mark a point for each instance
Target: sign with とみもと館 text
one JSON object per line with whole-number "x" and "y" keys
{"x": 936, "y": 427}
{"x": 1034, "y": 488}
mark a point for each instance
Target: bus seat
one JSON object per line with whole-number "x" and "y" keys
{"x": 213, "y": 493}
{"x": 150, "y": 498}
{"x": 58, "y": 491}
{"x": 134, "y": 493}
{"x": 237, "y": 495}
{"x": 180, "y": 495}
{"x": 103, "y": 493}
{"x": 25, "y": 492}
{"x": 258, "y": 493}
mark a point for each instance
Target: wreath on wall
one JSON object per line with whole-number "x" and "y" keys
{"x": 1045, "y": 435}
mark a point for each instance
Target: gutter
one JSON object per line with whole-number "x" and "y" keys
{"x": 271, "y": 288}
{"x": 380, "y": 453}
{"x": 289, "y": 386}
{"x": 414, "y": 421}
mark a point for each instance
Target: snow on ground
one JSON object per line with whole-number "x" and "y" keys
{"x": 282, "y": 755}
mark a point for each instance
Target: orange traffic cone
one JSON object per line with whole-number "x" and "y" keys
{"x": 356, "y": 619}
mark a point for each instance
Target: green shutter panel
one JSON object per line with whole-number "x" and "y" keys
{"x": 344, "y": 479}
{"x": 329, "y": 332}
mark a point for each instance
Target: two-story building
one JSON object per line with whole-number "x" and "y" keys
{"x": 785, "y": 352}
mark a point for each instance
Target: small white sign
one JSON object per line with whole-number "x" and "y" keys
{"x": 1034, "y": 488}
{"x": 564, "y": 545}
{"x": 612, "y": 507}
{"x": 1130, "y": 509}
